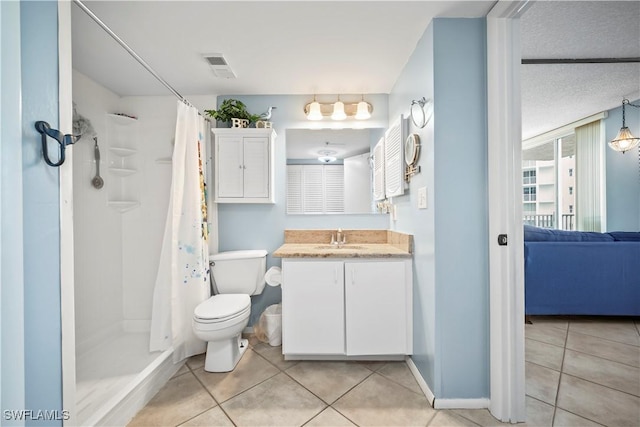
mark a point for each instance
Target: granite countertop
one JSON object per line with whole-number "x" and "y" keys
{"x": 360, "y": 244}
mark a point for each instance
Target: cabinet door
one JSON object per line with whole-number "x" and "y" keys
{"x": 256, "y": 167}
{"x": 312, "y": 307}
{"x": 376, "y": 308}
{"x": 230, "y": 166}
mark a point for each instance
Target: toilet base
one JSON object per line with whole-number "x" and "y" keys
{"x": 223, "y": 356}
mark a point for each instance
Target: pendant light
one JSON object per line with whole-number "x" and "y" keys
{"x": 625, "y": 140}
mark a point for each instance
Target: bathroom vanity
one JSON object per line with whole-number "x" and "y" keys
{"x": 349, "y": 301}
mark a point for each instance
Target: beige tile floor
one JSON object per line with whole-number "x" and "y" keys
{"x": 579, "y": 372}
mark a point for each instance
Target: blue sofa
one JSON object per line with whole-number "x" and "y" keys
{"x": 581, "y": 273}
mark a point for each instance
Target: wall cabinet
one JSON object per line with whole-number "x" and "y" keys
{"x": 346, "y": 308}
{"x": 244, "y": 165}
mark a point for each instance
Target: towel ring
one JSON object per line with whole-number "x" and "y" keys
{"x": 419, "y": 116}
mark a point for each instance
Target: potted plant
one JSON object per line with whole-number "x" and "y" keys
{"x": 232, "y": 109}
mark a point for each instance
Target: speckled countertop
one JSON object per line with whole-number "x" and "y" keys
{"x": 360, "y": 244}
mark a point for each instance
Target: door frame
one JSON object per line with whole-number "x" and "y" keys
{"x": 67, "y": 285}
{"x": 506, "y": 270}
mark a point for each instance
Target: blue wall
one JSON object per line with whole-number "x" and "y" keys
{"x": 11, "y": 269}
{"x": 416, "y": 81}
{"x": 451, "y": 273}
{"x": 623, "y": 173}
{"x": 43, "y": 380}
{"x": 257, "y": 226}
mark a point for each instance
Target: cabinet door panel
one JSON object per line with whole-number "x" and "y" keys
{"x": 230, "y": 172}
{"x": 375, "y": 306}
{"x": 256, "y": 167}
{"x": 313, "y": 307}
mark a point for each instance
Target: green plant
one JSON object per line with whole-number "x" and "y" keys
{"x": 232, "y": 109}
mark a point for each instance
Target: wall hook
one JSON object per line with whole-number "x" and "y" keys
{"x": 63, "y": 140}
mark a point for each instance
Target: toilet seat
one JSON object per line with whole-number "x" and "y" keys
{"x": 221, "y": 308}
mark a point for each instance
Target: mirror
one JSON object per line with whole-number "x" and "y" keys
{"x": 329, "y": 170}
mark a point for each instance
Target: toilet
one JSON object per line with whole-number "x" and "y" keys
{"x": 221, "y": 319}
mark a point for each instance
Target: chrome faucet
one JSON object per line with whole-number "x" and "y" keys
{"x": 339, "y": 238}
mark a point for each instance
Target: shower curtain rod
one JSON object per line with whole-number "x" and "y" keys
{"x": 131, "y": 52}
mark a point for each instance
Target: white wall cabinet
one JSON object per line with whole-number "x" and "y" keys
{"x": 346, "y": 308}
{"x": 243, "y": 162}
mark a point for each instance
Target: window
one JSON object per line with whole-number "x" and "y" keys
{"x": 528, "y": 177}
{"x": 529, "y": 194}
{"x": 547, "y": 165}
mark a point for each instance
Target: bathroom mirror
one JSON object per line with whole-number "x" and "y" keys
{"x": 329, "y": 170}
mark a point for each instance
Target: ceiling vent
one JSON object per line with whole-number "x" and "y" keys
{"x": 219, "y": 66}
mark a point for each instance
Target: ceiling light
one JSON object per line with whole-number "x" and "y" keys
{"x": 362, "y": 112}
{"x": 625, "y": 140}
{"x": 338, "y": 110}
{"x": 327, "y": 159}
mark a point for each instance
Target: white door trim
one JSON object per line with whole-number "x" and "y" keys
{"x": 65, "y": 111}
{"x": 506, "y": 271}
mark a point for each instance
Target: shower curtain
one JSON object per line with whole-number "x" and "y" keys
{"x": 182, "y": 281}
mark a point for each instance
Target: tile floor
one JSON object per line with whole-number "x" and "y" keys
{"x": 579, "y": 372}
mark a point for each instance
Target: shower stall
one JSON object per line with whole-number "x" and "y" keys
{"x": 118, "y": 228}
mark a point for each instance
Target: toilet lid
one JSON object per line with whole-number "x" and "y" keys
{"x": 221, "y": 307}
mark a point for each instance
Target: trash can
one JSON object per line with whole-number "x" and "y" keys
{"x": 271, "y": 325}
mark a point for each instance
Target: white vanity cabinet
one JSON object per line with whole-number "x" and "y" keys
{"x": 243, "y": 165}
{"x": 338, "y": 309}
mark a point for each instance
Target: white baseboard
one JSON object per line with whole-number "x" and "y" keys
{"x": 461, "y": 403}
{"x": 444, "y": 403}
{"x": 421, "y": 382}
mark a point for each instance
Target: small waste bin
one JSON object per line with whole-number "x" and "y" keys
{"x": 270, "y": 325}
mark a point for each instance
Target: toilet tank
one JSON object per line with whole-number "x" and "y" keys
{"x": 239, "y": 272}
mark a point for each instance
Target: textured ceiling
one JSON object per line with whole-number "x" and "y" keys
{"x": 555, "y": 95}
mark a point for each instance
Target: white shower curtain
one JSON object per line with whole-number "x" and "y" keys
{"x": 182, "y": 281}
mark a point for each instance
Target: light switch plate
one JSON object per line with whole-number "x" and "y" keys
{"x": 422, "y": 198}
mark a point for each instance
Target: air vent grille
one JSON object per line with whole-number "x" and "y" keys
{"x": 219, "y": 65}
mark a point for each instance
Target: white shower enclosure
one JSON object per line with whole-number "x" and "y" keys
{"x": 118, "y": 232}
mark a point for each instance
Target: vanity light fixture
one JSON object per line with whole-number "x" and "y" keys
{"x": 625, "y": 140}
{"x": 338, "y": 110}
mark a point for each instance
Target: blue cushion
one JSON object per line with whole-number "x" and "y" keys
{"x": 537, "y": 234}
{"x": 625, "y": 236}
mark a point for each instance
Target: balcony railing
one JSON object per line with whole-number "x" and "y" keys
{"x": 549, "y": 221}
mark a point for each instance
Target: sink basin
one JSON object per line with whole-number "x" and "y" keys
{"x": 347, "y": 246}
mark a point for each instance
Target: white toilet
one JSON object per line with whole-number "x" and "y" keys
{"x": 220, "y": 319}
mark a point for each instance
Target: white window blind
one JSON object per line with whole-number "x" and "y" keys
{"x": 394, "y": 159}
{"x": 315, "y": 189}
{"x": 378, "y": 171}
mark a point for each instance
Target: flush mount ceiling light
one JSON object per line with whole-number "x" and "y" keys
{"x": 326, "y": 156}
{"x": 625, "y": 140}
{"x": 338, "y": 110}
